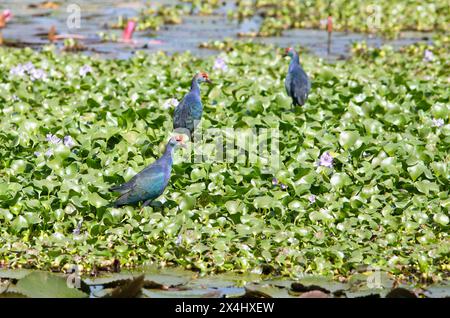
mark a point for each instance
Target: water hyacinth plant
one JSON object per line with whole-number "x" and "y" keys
{"x": 362, "y": 179}
{"x": 326, "y": 160}
{"x": 388, "y": 19}
{"x": 220, "y": 64}
{"x": 85, "y": 69}
{"x": 385, "y": 18}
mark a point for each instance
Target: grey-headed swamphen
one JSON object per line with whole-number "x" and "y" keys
{"x": 297, "y": 82}
{"x": 189, "y": 111}
{"x": 150, "y": 183}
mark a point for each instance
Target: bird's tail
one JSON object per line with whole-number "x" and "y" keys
{"x": 115, "y": 188}
{"x": 123, "y": 200}
{"x": 122, "y": 188}
{"x": 111, "y": 205}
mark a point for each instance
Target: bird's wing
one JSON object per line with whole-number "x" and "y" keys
{"x": 125, "y": 187}
{"x": 287, "y": 83}
{"x": 182, "y": 114}
{"x": 143, "y": 174}
{"x": 152, "y": 181}
{"x": 149, "y": 184}
{"x": 300, "y": 85}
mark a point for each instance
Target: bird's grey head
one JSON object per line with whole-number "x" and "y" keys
{"x": 202, "y": 77}
{"x": 290, "y": 52}
{"x": 176, "y": 141}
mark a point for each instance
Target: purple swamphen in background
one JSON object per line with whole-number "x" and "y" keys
{"x": 189, "y": 111}
{"x": 150, "y": 183}
{"x": 297, "y": 82}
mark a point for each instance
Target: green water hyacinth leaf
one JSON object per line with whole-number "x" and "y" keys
{"x": 61, "y": 152}
{"x": 198, "y": 174}
{"x": 96, "y": 200}
{"x": 4, "y": 190}
{"x": 440, "y": 110}
{"x": 195, "y": 188}
{"x": 426, "y": 186}
{"x": 264, "y": 202}
{"x": 233, "y": 207}
{"x": 441, "y": 218}
{"x": 321, "y": 215}
{"x": 416, "y": 170}
{"x": 295, "y": 205}
{"x": 348, "y": 139}
{"x": 32, "y": 218}
{"x": 389, "y": 165}
{"x": 439, "y": 168}
{"x": 340, "y": 179}
{"x": 19, "y": 223}
{"x": 18, "y": 166}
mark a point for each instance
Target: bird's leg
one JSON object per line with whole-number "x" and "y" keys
{"x": 146, "y": 203}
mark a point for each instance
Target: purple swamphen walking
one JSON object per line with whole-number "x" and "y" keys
{"x": 189, "y": 111}
{"x": 150, "y": 183}
{"x": 297, "y": 82}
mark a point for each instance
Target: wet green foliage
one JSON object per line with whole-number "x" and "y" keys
{"x": 153, "y": 18}
{"x": 203, "y": 7}
{"x": 384, "y": 203}
{"x": 387, "y": 18}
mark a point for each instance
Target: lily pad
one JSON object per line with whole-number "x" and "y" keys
{"x": 191, "y": 293}
{"x": 47, "y": 285}
{"x": 14, "y": 273}
{"x": 128, "y": 289}
{"x": 266, "y": 291}
{"x": 438, "y": 291}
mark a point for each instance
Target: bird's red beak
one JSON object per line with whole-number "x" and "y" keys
{"x": 180, "y": 140}
{"x": 206, "y": 78}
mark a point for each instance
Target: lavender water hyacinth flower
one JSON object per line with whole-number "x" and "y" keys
{"x": 84, "y": 70}
{"x": 312, "y": 198}
{"x": 220, "y": 64}
{"x": 68, "y": 141}
{"x": 53, "y": 139}
{"x": 438, "y": 122}
{"x": 77, "y": 230}
{"x": 274, "y": 181}
{"x": 18, "y": 70}
{"x": 326, "y": 160}
{"x": 28, "y": 67}
{"x": 428, "y": 56}
{"x": 179, "y": 240}
{"x": 170, "y": 103}
{"x": 37, "y": 74}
